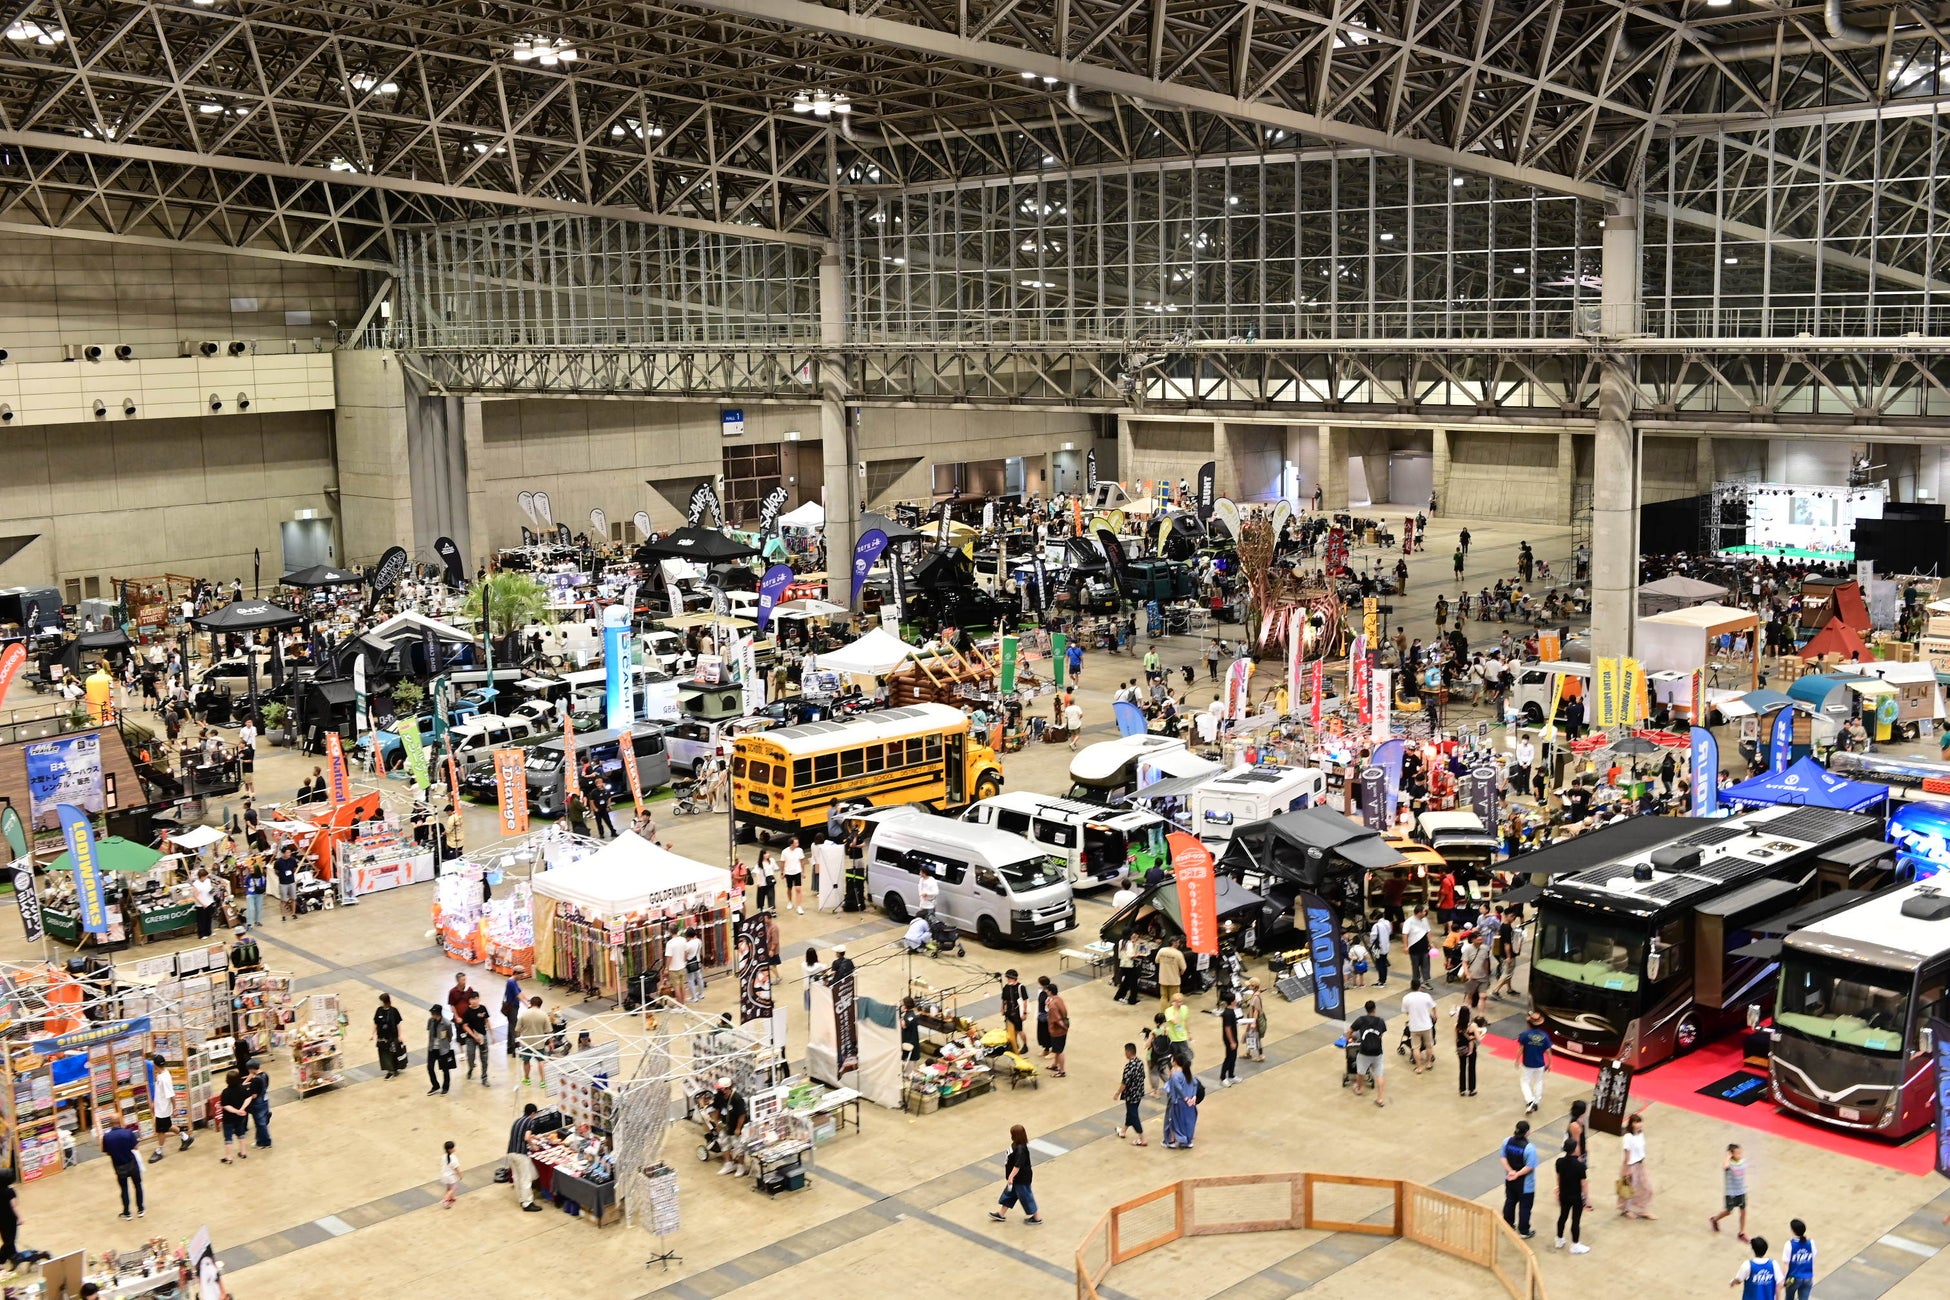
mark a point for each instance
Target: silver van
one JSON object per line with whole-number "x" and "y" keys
{"x": 998, "y": 885}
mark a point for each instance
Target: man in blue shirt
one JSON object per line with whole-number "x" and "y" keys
{"x": 122, "y": 1144}
{"x": 1800, "y": 1263}
{"x": 1759, "y": 1277}
{"x": 1533, "y": 1062}
{"x": 1519, "y": 1178}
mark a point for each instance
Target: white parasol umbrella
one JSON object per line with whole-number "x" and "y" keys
{"x": 808, "y": 608}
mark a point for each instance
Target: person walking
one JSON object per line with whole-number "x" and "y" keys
{"x": 255, "y": 883}
{"x": 1171, "y": 973}
{"x": 1013, "y": 997}
{"x": 1369, "y": 1034}
{"x": 203, "y": 891}
{"x": 765, "y": 875}
{"x": 1158, "y": 1057}
{"x": 1073, "y": 716}
{"x": 1018, "y": 1180}
{"x": 1457, "y": 559}
{"x": 1127, "y": 970}
{"x": 1178, "y": 1027}
{"x": 1183, "y": 1093}
{"x": 1415, "y": 937}
{"x": 1533, "y": 1061}
{"x": 259, "y": 1084}
{"x": 1469, "y": 1037}
{"x": 1229, "y": 1036}
{"x": 792, "y": 864}
{"x": 449, "y": 1175}
{"x": 1800, "y": 1280}
{"x": 1476, "y": 969}
{"x": 1759, "y": 1278}
{"x": 440, "y": 1050}
{"x": 162, "y": 1102}
{"x": 1634, "y": 1182}
{"x": 1418, "y": 1005}
{"x": 1379, "y": 935}
{"x": 531, "y": 1030}
{"x": 1519, "y": 1178}
{"x": 474, "y": 1036}
{"x": 385, "y": 1033}
{"x": 1253, "y": 1016}
{"x": 1733, "y": 1180}
{"x": 1130, "y": 1091}
{"x": 1573, "y": 1195}
{"x": 234, "y": 1104}
{"x": 521, "y": 1165}
{"x": 694, "y": 965}
{"x": 123, "y": 1145}
{"x": 1053, "y": 1019}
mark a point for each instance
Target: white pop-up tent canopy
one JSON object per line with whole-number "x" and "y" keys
{"x": 196, "y": 837}
{"x": 1677, "y": 592}
{"x": 809, "y": 515}
{"x": 409, "y": 626}
{"x": 630, "y": 874}
{"x": 877, "y": 653}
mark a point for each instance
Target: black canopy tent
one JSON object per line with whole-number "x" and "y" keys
{"x": 896, "y": 532}
{"x": 1313, "y": 849}
{"x": 702, "y": 545}
{"x": 1155, "y": 911}
{"x": 250, "y": 616}
{"x": 322, "y": 575}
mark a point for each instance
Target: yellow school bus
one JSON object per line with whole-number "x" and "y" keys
{"x": 787, "y": 780}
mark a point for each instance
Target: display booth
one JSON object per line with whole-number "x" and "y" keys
{"x": 601, "y": 920}
{"x": 1692, "y": 639}
{"x": 877, "y": 1046}
{"x": 474, "y": 925}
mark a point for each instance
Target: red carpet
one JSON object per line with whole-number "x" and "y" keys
{"x": 1675, "y": 1083}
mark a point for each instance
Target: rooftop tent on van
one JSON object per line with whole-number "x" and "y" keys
{"x": 1110, "y": 763}
{"x": 1160, "y": 898}
{"x": 1307, "y": 846}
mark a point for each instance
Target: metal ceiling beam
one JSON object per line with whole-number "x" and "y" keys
{"x": 1731, "y": 123}
{"x": 1813, "y": 249}
{"x": 1091, "y": 76}
{"x": 189, "y": 246}
{"x": 48, "y": 141}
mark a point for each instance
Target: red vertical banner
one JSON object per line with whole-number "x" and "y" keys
{"x": 570, "y": 785}
{"x": 453, "y": 778}
{"x": 10, "y": 661}
{"x": 1198, "y": 892}
{"x": 339, "y": 784}
{"x": 511, "y": 790}
{"x": 1320, "y": 686}
{"x": 627, "y": 746}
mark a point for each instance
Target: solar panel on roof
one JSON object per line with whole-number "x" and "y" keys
{"x": 1714, "y": 835}
{"x": 1672, "y": 887}
{"x": 1812, "y": 825}
{"x": 1728, "y": 868}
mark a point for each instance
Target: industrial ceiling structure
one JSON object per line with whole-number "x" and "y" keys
{"x": 1181, "y": 203}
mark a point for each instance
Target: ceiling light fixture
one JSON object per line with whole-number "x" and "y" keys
{"x": 549, "y": 51}
{"x": 821, "y": 103}
{"x": 630, "y": 126}
{"x": 26, "y": 29}
{"x": 366, "y": 83}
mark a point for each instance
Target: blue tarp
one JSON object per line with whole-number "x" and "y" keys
{"x": 1807, "y": 782}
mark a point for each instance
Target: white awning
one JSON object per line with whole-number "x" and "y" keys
{"x": 630, "y": 874}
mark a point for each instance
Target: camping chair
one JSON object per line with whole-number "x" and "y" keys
{"x": 1014, "y": 1066}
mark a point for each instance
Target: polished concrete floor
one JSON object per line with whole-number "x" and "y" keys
{"x": 345, "y": 1204}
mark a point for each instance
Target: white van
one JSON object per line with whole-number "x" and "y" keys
{"x": 1101, "y": 772}
{"x": 656, "y": 692}
{"x": 486, "y": 732}
{"x": 1102, "y": 846}
{"x": 1251, "y": 793}
{"x": 999, "y": 886}
{"x": 578, "y": 642}
{"x": 693, "y": 740}
{"x": 666, "y": 649}
{"x": 1537, "y": 683}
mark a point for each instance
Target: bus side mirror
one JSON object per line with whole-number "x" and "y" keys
{"x": 1928, "y": 1038}
{"x": 1654, "y": 963}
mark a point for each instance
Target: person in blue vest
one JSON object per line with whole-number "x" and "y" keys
{"x": 1800, "y": 1263}
{"x": 1759, "y": 1278}
{"x": 1519, "y": 1178}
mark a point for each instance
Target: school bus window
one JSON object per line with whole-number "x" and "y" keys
{"x": 852, "y": 762}
{"x": 934, "y": 746}
{"x": 915, "y": 755}
{"x": 826, "y": 767}
{"x": 876, "y": 758}
{"x": 761, "y": 772}
{"x": 802, "y": 771}
{"x": 737, "y": 765}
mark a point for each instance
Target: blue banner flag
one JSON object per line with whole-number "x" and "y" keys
{"x": 1130, "y": 718}
{"x": 1780, "y": 748}
{"x": 1388, "y": 756}
{"x": 866, "y": 554}
{"x": 1706, "y": 773}
{"x": 91, "y": 897}
{"x": 1324, "y": 947}
{"x": 773, "y": 585}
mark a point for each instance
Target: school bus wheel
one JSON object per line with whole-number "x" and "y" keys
{"x": 987, "y": 786}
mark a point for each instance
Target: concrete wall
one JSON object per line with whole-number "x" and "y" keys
{"x": 1498, "y": 475}
{"x": 1669, "y": 470}
{"x": 1812, "y": 462}
{"x": 1164, "y": 449}
{"x": 1254, "y": 461}
{"x": 59, "y": 291}
{"x": 928, "y": 437}
{"x": 192, "y": 496}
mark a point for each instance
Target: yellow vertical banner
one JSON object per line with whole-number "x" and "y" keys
{"x": 1604, "y": 709}
{"x": 1557, "y": 697}
{"x": 1633, "y": 698}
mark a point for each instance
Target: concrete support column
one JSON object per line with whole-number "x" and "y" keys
{"x": 1439, "y": 466}
{"x": 1225, "y": 468}
{"x": 476, "y": 546}
{"x": 1614, "y": 515}
{"x": 1567, "y": 476}
{"x": 839, "y": 433}
{"x": 1705, "y": 472}
{"x": 1333, "y": 467}
{"x": 375, "y": 485}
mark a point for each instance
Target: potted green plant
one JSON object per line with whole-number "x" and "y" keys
{"x": 276, "y": 723}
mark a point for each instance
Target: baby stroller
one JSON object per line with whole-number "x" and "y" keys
{"x": 933, "y": 936}
{"x": 687, "y": 800}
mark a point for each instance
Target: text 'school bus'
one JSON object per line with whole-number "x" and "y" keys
{"x": 789, "y": 779}
{"x": 1636, "y": 958}
{"x": 1858, "y": 991}
{"x": 548, "y": 792}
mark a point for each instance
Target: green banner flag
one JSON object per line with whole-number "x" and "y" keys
{"x": 1008, "y": 679}
{"x": 416, "y": 751}
{"x": 1059, "y": 653}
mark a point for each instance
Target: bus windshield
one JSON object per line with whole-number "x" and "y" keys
{"x": 1592, "y": 950}
{"x": 1030, "y": 873}
{"x": 1863, "y": 1007}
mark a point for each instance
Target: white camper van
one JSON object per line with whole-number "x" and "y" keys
{"x": 1251, "y": 793}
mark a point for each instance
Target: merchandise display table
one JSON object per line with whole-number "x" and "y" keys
{"x": 371, "y": 871}
{"x": 154, "y": 922}
{"x": 833, "y": 1107}
{"x": 598, "y": 1200}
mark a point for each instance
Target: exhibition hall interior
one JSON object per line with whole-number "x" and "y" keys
{"x": 757, "y": 648}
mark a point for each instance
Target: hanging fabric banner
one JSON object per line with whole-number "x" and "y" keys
{"x": 768, "y": 510}
{"x": 1632, "y": 693}
{"x": 628, "y": 750}
{"x": 1780, "y": 748}
{"x": 1381, "y": 709}
{"x": 1238, "y": 688}
{"x": 1388, "y": 756}
{"x": 511, "y": 790}
{"x": 571, "y": 778}
{"x": 1705, "y": 773}
{"x": 755, "y": 968}
{"x": 866, "y": 554}
{"x": 1059, "y": 658}
{"x": 598, "y": 525}
{"x": 361, "y": 710}
{"x": 450, "y": 560}
{"x": 1130, "y": 718}
{"x": 1607, "y": 709}
{"x": 28, "y": 899}
{"x": 846, "y": 1025}
{"x": 414, "y": 747}
{"x": 90, "y": 894}
{"x": 1198, "y": 892}
{"x": 1090, "y": 471}
{"x": 642, "y": 521}
{"x": 1296, "y": 623}
{"x": 1324, "y": 945}
{"x": 1483, "y": 796}
{"x": 338, "y": 783}
{"x": 1374, "y": 798}
{"x": 10, "y": 661}
{"x": 1357, "y": 679}
{"x": 770, "y": 588}
{"x": 1006, "y": 676}
{"x": 1320, "y": 689}
{"x": 1208, "y": 493}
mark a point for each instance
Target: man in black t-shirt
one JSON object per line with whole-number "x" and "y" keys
{"x": 285, "y": 868}
{"x": 1369, "y": 1036}
{"x": 475, "y": 1035}
{"x": 733, "y": 1111}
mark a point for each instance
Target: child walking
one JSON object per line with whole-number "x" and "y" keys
{"x": 1733, "y": 1171}
{"x": 449, "y": 1175}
